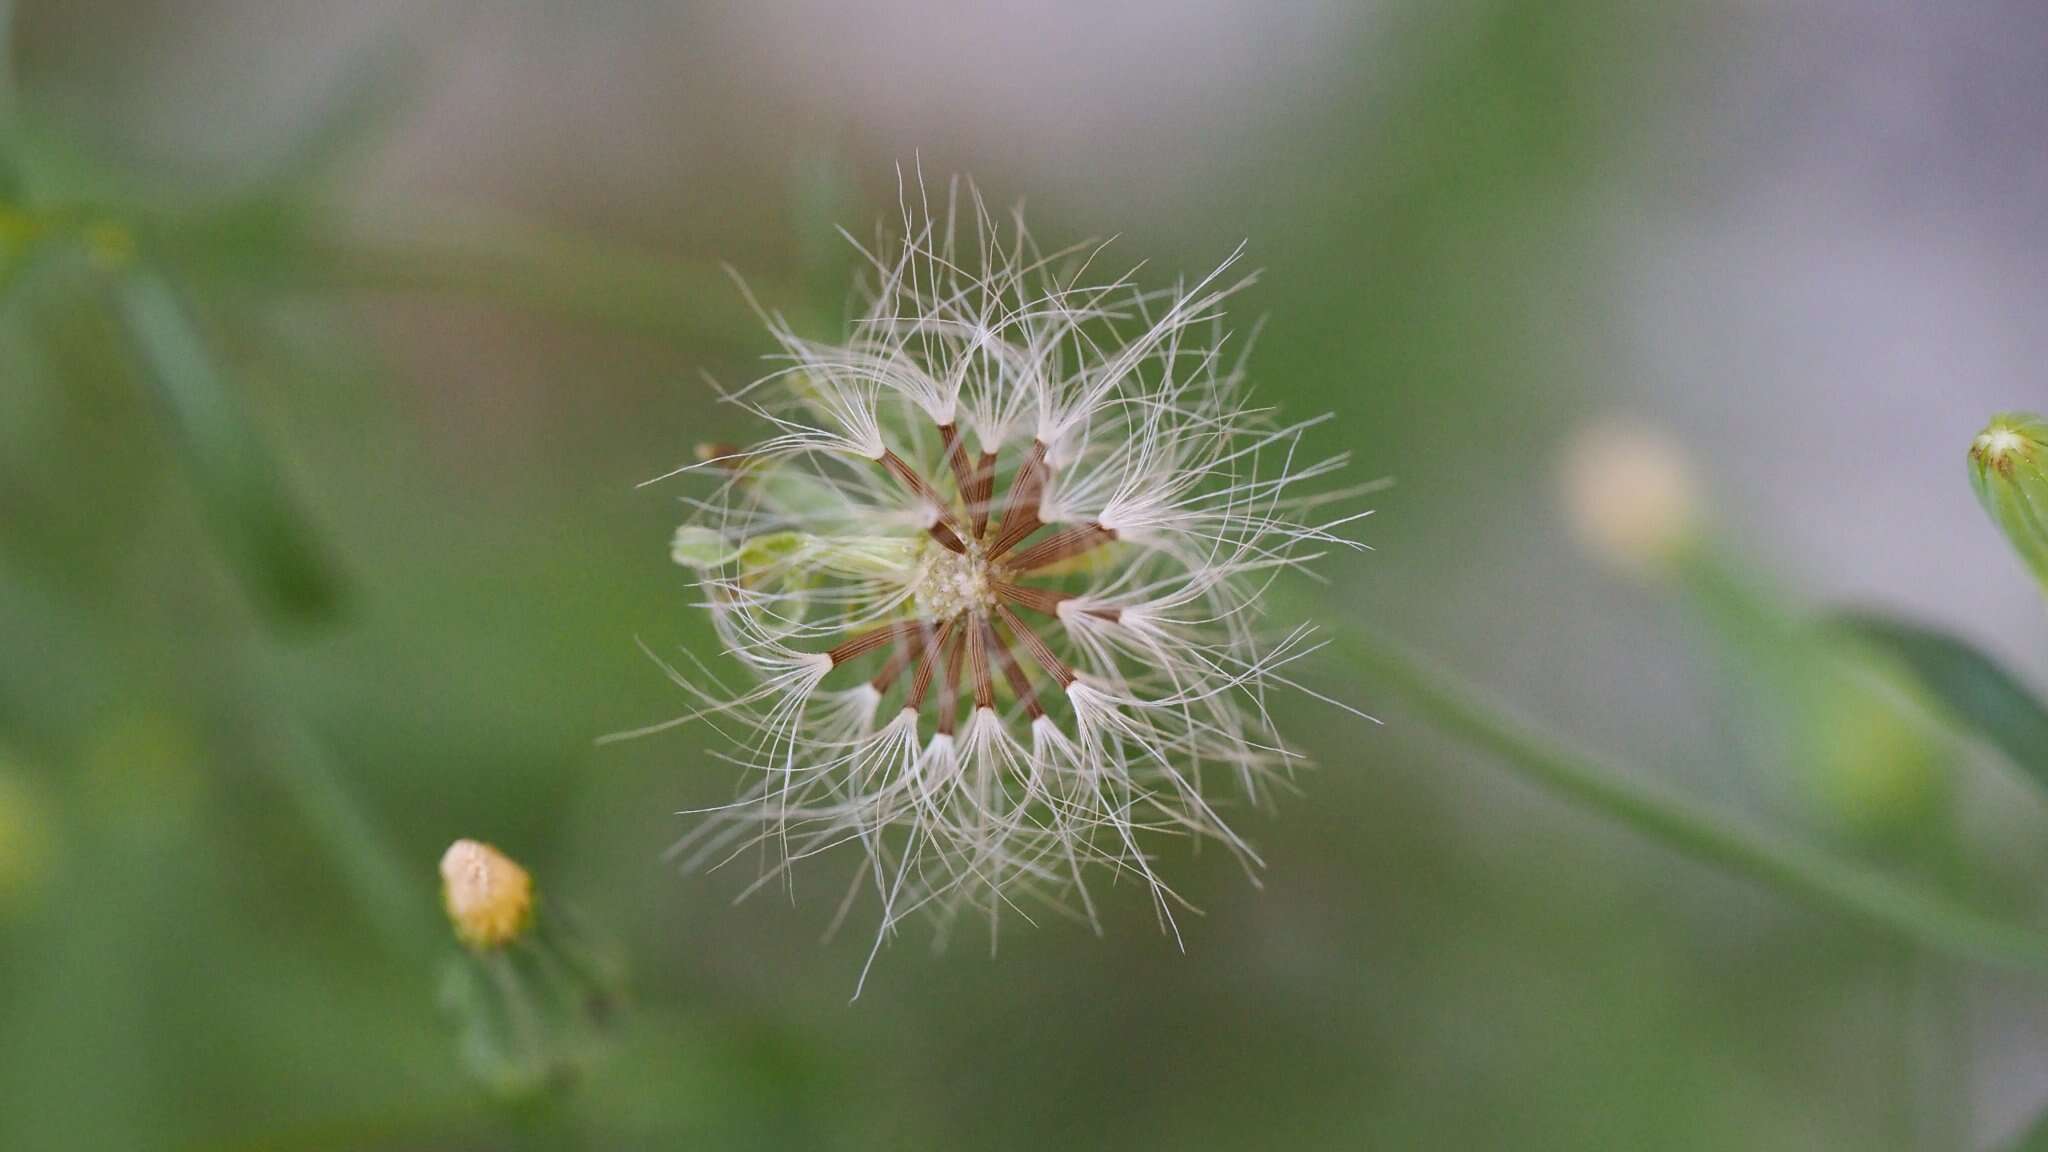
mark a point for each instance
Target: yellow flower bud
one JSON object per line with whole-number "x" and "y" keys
{"x": 489, "y": 897}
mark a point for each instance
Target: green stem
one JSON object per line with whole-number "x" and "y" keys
{"x": 364, "y": 856}
{"x": 261, "y": 526}
{"x": 1695, "y": 829}
{"x": 282, "y": 563}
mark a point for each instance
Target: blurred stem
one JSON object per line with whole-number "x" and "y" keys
{"x": 263, "y": 531}
{"x": 1692, "y": 828}
{"x": 367, "y": 860}
{"x": 278, "y": 557}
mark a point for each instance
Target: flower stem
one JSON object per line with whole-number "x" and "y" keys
{"x": 1692, "y": 828}
{"x": 260, "y": 524}
{"x": 362, "y": 853}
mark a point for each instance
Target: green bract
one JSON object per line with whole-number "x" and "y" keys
{"x": 2009, "y": 469}
{"x": 789, "y": 553}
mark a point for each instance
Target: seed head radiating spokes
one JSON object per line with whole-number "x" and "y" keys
{"x": 993, "y": 578}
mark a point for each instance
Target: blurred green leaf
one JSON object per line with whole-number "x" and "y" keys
{"x": 1977, "y": 692}
{"x": 268, "y": 539}
{"x": 535, "y": 1016}
{"x": 247, "y": 248}
{"x": 2035, "y": 1138}
{"x": 1847, "y": 725}
{"x": 52, "y": 169}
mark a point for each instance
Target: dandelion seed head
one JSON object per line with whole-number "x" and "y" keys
{"x": 1024, "y": 509}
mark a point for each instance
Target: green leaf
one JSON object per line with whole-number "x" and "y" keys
{"x": 2035, "y": 1138}
{"x": 1977, "y": 692}
{"x": 535, "y": 1015}
{"x": 1854, "y": 734}
{"x": 267, "y": 538}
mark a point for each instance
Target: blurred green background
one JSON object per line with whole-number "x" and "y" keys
{"x": 334, "y": 340}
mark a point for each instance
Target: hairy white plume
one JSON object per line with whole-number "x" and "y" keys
{"x": 993, "y": 578}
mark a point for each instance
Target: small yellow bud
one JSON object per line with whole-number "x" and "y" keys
{"x": 1630, "y": 495}
{"x": 489, "y": 897}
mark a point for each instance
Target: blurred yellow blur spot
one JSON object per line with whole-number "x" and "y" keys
{"x": 18, "y": 229}
{"x": 489, "y": 897}
{"x": 27, "y": 842}
{"x": 109, "y": 245}
{"x": 143, "y": 775}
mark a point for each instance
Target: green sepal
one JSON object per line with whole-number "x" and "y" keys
{"x": 2009, "y": 471}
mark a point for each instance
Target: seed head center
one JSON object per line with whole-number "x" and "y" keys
{"x": 951, "y": 583}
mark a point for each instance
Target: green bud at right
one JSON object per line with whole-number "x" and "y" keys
{"x": 2009, "y": 469}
